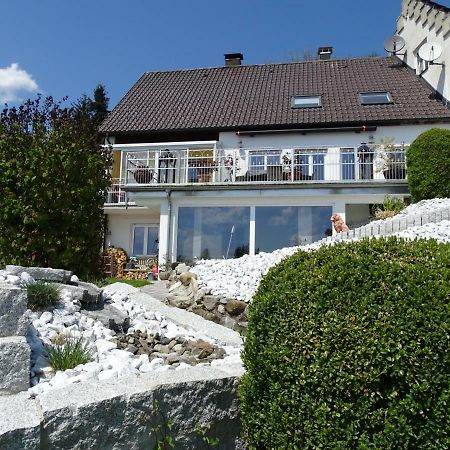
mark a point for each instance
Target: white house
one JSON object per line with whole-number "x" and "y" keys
{"x": 218, "y": 162}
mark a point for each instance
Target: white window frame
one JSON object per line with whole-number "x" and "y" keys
{"x": 309, "y": 153}
{"x": 265, "y": 154}
{"x": 146, "y": 227}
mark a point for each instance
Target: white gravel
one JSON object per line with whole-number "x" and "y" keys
{"x": 239, "y": 278}
{"x": 108, "y": 362}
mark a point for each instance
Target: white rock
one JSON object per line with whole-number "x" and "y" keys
{"x": 60, "y": 379}
{"x": 164, "y": 368}
{"x": 156, "y": 362}
{"x": 107, "y": 375}
{"x": 13, "y": 279}
{"x": 140, "y": 327}
{"x": 145, "y": 368}
{"x": 74, "y": 279}
{"x": 104, "y": 346}
{"x": 46, "y": 316}
{"x": 127, "y": 370}
{"x": 182, "y": 366}
{"x": 91, "y": 367}
{"x": 26, "y": 279}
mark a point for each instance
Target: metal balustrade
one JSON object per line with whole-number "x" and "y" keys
{"x": 365, "y": 163}
{"x": 115, "y": 195}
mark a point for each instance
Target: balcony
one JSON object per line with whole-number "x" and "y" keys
{"x": 157, "y": 167}
{"x": 115, "y": 195}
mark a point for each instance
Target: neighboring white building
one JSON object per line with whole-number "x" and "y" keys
{"x": 425, "y": 22}
{"x": 218, "y": 162}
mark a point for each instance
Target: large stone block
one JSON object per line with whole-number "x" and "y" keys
{"x": 14, "y": 365}
{"x": 13, "y": 304}
{"x": 132, "y": 412}
{"x": 19, "y": 422}
{"x": 42, "y": 273}
{"x": 93, "y": 293}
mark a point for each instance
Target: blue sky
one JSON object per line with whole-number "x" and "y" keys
{"x": 65, "y": 48}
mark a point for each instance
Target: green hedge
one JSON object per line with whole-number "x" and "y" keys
{"x": 428, "y": 162}
{"x": 348, "y": 348}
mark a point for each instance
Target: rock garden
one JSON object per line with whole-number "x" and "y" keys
{"x": 89, "y": 334}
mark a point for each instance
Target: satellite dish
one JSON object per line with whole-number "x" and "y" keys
{"x": 430, "y": 51}
{"x": 394, "y": 44}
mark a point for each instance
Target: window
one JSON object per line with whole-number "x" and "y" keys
{"x": 212, "y": 232}
{"x": 267, "y": 163}
{"x": 309, "y": 164}
{"x": 145, "y": 240}
{"x": 285, "y": 226}
{"x": 375, "y": 98}
{"x": 306, "y": 101}
{"x": 348, "y": 163}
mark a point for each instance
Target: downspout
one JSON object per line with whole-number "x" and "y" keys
{"x": 169, "y": 223}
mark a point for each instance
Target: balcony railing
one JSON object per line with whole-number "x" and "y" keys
{"x": 244, "y": 166}
{"x": 115, "y": 195}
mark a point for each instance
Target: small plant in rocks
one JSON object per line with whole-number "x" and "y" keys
{"x": 68, "y": 352}
{"x": 41, "y": 295}
{"x": 203, "y": 431}
{"x": 391, "y": 207}
{"x": 348, "y": 348}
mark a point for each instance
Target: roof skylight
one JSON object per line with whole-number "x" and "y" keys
{"x": 375, "y": 98}
{"x": 306, "y": 101}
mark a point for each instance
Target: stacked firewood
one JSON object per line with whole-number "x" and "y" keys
{"x": 136, "y": 275}
{"x": 119, "y": 258}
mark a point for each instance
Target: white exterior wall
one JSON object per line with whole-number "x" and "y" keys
{"x": 120, "y": 226}
{"x": 418, "y": 24}
{"x": 331, "y": 140}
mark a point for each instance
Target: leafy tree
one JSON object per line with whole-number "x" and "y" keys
{"x": 95, "y": 109}
{"x": 53, "y": 176}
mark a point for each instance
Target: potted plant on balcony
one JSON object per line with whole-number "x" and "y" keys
{"x": 388, "y": 160}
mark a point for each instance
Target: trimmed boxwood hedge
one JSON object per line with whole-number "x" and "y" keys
{"x": 348, "y": 348}
{"x": 428, "y": 163}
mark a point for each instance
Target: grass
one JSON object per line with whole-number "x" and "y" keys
{"x": 68, "y": 352}
{"x": 105, "y": 281}
{"x": 41, "y": 295}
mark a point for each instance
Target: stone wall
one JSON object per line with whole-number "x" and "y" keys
{"x": 14, "y": 350}
{"x": 395, "y": 225}
{"x": 130, "y": 413}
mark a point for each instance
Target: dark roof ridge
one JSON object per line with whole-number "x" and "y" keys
{"x": 435, "y": 5}
{"x": 366, "y": 58}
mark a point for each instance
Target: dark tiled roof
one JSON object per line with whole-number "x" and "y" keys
{"x": 259, "y": 96}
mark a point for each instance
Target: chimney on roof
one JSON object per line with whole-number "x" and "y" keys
{"x": 324, "y": 53}
{"x": 233, "y": 59}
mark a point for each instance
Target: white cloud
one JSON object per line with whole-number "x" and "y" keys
{"x": 15, "y": 81}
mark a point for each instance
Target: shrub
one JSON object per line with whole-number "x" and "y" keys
{"x": 391, "y": 207}
{"x": 428, "y": 163}
{"x": 53, "y": 178}
{"x": 68, "y": 352}
{"x": 41, "y": 295}
{"x": 347, "y": 347}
